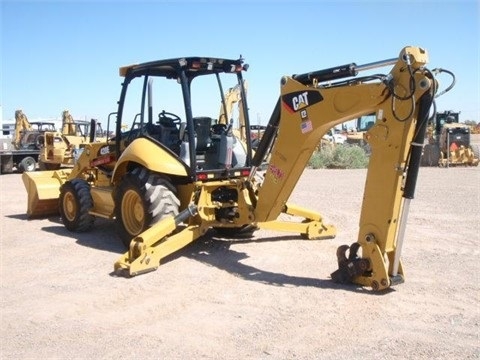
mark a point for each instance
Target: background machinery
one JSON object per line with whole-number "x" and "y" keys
{"x": 174, "y": 175}
{"x": 24, "y": 149}
{"x": 356, "y": 135}
{"x": 332, "y": 138}
{"x": 233, "y": 96}
{"x": 449, "y": 142}
{"x": 62, "y": 148}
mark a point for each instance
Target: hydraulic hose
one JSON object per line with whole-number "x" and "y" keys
{"x": 268, "y": 137}
{"x": 417, "y": 145}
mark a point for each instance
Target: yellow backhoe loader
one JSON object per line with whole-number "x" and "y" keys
{"x": 62, "y": 148}
{"x": 232, "y": 97}
{"x": 174, "y": 175}
{"x": 449, "y": 142}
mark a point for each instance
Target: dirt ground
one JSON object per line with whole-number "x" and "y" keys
{"x": 270, "y": 297}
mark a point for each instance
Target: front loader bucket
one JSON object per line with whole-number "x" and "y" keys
{"x": 43, "y": 189}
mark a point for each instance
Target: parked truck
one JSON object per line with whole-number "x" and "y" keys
{"x": 22, "y": 153}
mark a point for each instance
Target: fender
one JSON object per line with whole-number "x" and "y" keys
{"x": 148, "y": 154}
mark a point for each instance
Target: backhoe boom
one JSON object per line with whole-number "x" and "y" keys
{"x": 308, "y": 110}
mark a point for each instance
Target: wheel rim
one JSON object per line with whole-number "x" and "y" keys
{"x": 30, "y": 165}
{"x": 69, "y": 206}
{"x": 133, "y": 214}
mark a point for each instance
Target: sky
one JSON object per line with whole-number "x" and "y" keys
{"x": 58, "y": 55}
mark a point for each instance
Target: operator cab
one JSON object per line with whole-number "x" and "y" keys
{"x": 180, "y": 104}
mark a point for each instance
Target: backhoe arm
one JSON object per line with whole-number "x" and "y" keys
{"x": 309, "y": 109}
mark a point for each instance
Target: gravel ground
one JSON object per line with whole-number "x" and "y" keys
{"x": 270, "y": 297}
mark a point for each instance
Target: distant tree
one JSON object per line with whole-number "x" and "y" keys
{"x": 474, "y": 126}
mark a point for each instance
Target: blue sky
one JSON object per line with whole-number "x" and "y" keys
{"x": 65, "y": 55}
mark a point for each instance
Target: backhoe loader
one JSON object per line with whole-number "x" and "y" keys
{"x": 174, "y": 175}
{"x": 62, "y": 148}
{"x": 233, "y": 96}
{"x": 449, "y": 142}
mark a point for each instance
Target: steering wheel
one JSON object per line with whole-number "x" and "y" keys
{"x": 219, "y": 129}
{"x": 167, "y": 118}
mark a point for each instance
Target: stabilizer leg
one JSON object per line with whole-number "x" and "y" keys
{"x": 154, "y": 244}
{"x": 312, "y": 227}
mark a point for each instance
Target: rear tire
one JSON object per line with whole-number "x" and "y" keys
{"x": 74, "y": 205}
{"x": 431, "y": 155}
{"x": 27, "y": 164}
{"x": 142, "y": 199}
{"x": 435, "y": 156}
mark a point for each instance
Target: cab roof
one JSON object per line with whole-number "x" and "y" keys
{"x": 193, "y": 66}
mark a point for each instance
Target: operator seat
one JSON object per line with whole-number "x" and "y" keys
{"x": 203, "y": 141}
{"x": 202, "y": 130}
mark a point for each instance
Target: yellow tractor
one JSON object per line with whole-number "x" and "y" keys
{"x": 62, "y": 148}
{"x": 449, "y": 142}
{"x": 233, "y": 96}
{"x": 174, "y": 175}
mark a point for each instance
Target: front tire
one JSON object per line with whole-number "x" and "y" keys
{"x": 75, "y": 204}
{"x": 142, "y": 199}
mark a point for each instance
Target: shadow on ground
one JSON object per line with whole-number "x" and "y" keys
{"x": 102, "y": 236}
{"x": 209, "y": 249}
{"x": 218, "y": 252}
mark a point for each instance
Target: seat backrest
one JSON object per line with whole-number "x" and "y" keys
{"x": 202, "y": 130}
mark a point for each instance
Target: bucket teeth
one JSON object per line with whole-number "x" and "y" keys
{"x": 342, "y": 254}
{"x": 351, "y": 266}
{"x": 353, "y": 251}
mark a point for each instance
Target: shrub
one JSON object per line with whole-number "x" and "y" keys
{"x": 339, "y": 157}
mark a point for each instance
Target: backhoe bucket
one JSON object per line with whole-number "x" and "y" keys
{"x": 43, "y": 189}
